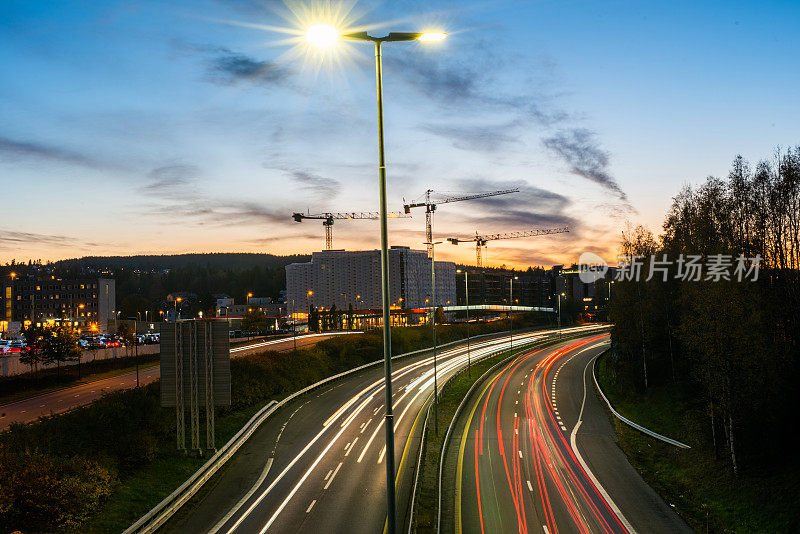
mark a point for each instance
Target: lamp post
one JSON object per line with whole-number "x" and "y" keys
{"x": 433, "y": 244}
{"x": 309, "y": 294}
{"x": 325, "y": 35}
{"x": 466, "y": 297}
{"x": 177, "y": 311}
{"x": 511, "y": 309}
{"x": 294, "y": 328}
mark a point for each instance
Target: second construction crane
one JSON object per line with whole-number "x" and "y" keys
{"x": 430, "y": 206}
{"x": 327, "y": 219}
{"x": 481, "y": 240}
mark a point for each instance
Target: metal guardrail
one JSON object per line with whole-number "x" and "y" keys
{"x": 164, "y": 510}
{"x": 159, "y": 515}
{"x": 627, "y": 421}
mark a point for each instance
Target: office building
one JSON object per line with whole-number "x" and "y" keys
{"x": 344, "y": 278}
{"x": 83, "y": 303}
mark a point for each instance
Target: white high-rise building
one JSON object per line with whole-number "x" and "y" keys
{"x": 354, "y": 277}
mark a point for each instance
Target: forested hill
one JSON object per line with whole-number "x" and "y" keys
{"x": 144, "y": 281}
{"x": 222, "y": 260}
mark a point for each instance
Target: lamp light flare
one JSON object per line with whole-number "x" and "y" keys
{"x": 432, "y": 36}
{"x": 322, "y": 35}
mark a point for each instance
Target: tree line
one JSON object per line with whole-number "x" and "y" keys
{"x": 733, "y": 343}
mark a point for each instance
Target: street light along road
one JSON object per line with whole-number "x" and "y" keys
{"x": 324, "y": 36}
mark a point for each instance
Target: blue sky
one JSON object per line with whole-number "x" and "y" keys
{"x": 167, "y": 127}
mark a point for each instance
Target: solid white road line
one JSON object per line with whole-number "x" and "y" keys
{"x": 311, "y": 468}
{"x": 588, "y": 471}
{"x": 244, "y": 499}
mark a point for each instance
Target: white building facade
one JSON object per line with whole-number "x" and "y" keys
{"x": 354, "y": 277}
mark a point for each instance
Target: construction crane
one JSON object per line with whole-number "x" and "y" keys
{"x": 430, "y": 207}
{"x": 327, "y": 219}
{"x": 482, "y": 240}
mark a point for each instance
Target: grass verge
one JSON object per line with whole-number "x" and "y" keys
{"x": 428, "y": 489}
{"x": 700, "y": 486}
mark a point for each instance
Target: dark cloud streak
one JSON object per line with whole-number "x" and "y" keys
{"x": 579, "y": 148}
{"x": 11, "y": 150}
{"x": 231, "y": 68}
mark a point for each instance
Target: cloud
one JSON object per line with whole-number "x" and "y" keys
{"x": 473, "y": 83}
{"x": 11, "y": 150}
{"x": 207, "y": 211}
{"x": 578, "y": 147}
{"x": 15, "y": 240}
{"x": 469, "y": 137}
{"x": 319, "y": 186}
{"x": 531, "y": 207}
{"x": 231, "y": 68}
{"x": 171, "y": 181}
{"x": 270, "y": 240}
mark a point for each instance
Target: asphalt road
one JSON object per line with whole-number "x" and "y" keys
{"x": 63, "y": 400}
{"x": 534, "y": 451}
{"x": 317, "y": 464}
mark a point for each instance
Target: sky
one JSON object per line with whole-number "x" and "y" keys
{"x": 154, "y": 127}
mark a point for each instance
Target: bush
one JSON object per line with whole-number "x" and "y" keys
{"x": 44, "y": 493}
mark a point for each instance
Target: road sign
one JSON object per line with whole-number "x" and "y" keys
{"x": 195, "y": 371}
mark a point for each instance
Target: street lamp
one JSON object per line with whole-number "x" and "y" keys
{"x": 432, "y": 245}
{"x": 511, "y": 309}
{"x": 559, "y": 312}
{"x": 323, "y": 35}
{"x": 309, "y": 294}
{"x": 177, "y": 311}
{"x": 249, "y": 296}
{"x": 466, "y": 296}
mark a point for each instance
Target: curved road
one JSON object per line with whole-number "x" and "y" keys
{"x": 317, "y": 464}
{"x": 534, "y": 451}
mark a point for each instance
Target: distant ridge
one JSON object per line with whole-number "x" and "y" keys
{"x": 226, "y": 260}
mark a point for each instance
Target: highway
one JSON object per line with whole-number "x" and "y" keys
{"x": 69, "y": 398}
{"x": 533, "y": 451}
{"x": 316, "y": 465}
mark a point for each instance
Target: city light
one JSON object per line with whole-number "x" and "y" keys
{"x": 432, "y": 36}
{"x": 322, "y": 35}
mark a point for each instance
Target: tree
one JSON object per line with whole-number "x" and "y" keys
{"x": 255, "y": 321}
{"x": 440, "y": 317}
{"x": 60, "y": 345}
{"x": 125, "y": 331}
{"x": 33, "y": 356}
{"x": 313, "y": 320}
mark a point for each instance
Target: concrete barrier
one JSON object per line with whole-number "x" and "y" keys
{"x": 10, "y": 364}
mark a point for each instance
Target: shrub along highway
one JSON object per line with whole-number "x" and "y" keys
{"x": 533, "y": 450}
{"x": 317, "y": 464}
